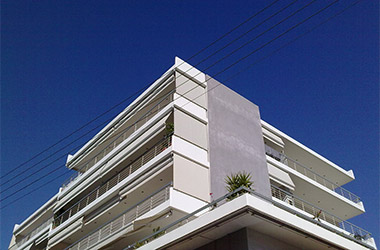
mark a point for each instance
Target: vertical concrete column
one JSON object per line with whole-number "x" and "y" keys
{"x": 235, "y": 139}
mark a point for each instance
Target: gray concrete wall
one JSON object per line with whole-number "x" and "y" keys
{"x": 247, "y": 239}
{"x": 259, "y": 241}
{"x": 235, "y": 241}
{"x": 235, "y": 139}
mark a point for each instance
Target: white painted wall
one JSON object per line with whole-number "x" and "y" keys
{"x": 190, "y": 129}
{"x": 191, "y": 178}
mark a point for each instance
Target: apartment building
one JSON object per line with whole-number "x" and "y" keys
{"x": 154, "y": 178}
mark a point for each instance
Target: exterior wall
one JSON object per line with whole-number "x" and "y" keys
{"x": 202, "y": 158}
{"x": 190, "y": 89}
{"x": 190, "y": 129}
{"x": 247, "y": 239}
{"x": 235, "y": 139}
{"x": 258, "y": 240}
{"x": 191, "y": 178}
{"x": 235, "y": 240}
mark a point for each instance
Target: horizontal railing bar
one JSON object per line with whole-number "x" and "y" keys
{"x": 316, "y": 208}
{"x": 106, "y": 185}
{"x": 281, "y": 157}
{"x": 211, "y": 206}
{"x": 35, "y": 231}
{"x": 120, "y": 216}
{"x": 121, "y": 133}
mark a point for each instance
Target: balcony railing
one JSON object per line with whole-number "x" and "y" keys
{"x": 318, "y": 214}
{"x": 122, "y": 221}
{"x": 121, "y": 136}
{"x": 309, "y": 173}
{"x": 43, "y": 226}
{"x": 114, "y": 180}
{"x": 357, "y": 233}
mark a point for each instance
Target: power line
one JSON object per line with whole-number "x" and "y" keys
{"x": 33, "y": 190}
{"x": 75, "y": 131}
{"x": 262, "y": 33}
{"x": 60, "y": 157}
{"x": 245, "y": 33}
{"x": 232, "y": 30}
{"x": 293, "y": 27}
{"x": 295, "y": 39}
{"x": 121, "y": 102}
{"x": 126, "y": 99}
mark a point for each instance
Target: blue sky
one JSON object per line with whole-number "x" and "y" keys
{"x": 65, "y": 62}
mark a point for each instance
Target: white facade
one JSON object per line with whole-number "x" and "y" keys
{"x": 145, "y": 180}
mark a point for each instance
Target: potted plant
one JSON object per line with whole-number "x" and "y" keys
{"x": 235, "y": 181}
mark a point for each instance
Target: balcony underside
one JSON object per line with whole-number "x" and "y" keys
{"x": 328, "y": 200}
{"x": 269, "y": 223}
{"x": 168, "y": 206}
{"x": 320, "y": 195}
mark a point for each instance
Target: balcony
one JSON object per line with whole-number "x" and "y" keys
{"x": 123, "y": 222}
{"x": 310, "y": 174}
{"x": 252, "y": 207}
{"x": 120, "y": 137}
{"x": 42, "y": 227}
{"x": 319, "y": 215}
{"x": 113, "y": 181}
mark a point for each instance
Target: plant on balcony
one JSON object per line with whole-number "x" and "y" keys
{"x": 140, "y": 244}
{"x": 235, "y": 181}
{"x": 169, "y": 129}
{"x": 357, "y": 236}
{"x": 317, "y": 216}
{"x": 155, "y": 230}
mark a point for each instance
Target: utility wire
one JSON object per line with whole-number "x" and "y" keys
{"x": 245, "y": 33}
{"x": 293, "y": 40}
{"x": 262, "y": 33}
{"x": 129, "y": 97}
{"x": 297, "y": 11}
{"x": 293, "y": 27}
{"x": 72, "y": 133}
{"x": 232, "y": 30}
{"x": 55, "y": 160}
{"x": 126, "y": 99}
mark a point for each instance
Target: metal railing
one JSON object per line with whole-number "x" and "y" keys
{"x": 318, "y": 214}
{"x": 309, "y": 173}
{"x": 34, "y": 232}
{"x": 114, "y": 180}
{"x": 124, "y": 220}
{"x": 122, "y": 136}
{"x": 357, "y": 233}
